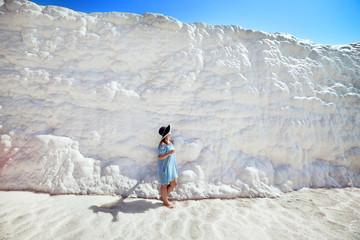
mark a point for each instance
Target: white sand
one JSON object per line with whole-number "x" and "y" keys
{"x": 305, "y": 214}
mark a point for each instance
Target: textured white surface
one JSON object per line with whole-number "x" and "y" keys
{"x": 330, "y": 214}
{"x": 82, "y": 97}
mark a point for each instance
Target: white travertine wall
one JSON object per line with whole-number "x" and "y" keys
{"x": 82, "y": 97}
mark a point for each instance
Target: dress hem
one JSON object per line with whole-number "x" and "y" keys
{"x": 168, "y": 182}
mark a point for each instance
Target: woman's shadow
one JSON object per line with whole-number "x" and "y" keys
{"x": 132, "y": 206}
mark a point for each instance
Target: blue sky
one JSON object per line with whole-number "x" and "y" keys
{"x": 321, "y": 21}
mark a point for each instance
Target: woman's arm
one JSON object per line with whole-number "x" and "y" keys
{"x": 162, "y": 157}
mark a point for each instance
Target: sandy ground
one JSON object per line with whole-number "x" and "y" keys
{"x": 305, "y": 214}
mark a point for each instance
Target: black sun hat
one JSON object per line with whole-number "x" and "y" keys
{"x": 164, "y": 131}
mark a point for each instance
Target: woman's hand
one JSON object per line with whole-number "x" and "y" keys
{"x": 162, "y": 157}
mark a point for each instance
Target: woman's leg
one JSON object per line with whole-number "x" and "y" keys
{"x": 163, "y": 190}
{"x": 171, "y": 186}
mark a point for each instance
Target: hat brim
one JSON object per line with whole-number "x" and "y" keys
{"x": 166, "y": 132}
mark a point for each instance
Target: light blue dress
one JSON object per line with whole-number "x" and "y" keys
{"x": 167, "y": 168}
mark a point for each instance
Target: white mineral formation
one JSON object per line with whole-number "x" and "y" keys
{"x": 82, "y": 97}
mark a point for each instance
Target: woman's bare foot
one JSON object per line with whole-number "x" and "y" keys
{"x": 167, "y": 204}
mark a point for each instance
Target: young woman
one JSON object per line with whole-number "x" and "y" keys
{"x": 167, "y": 168}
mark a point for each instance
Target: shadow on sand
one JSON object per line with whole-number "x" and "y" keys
{"x": 131, "y": 206}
